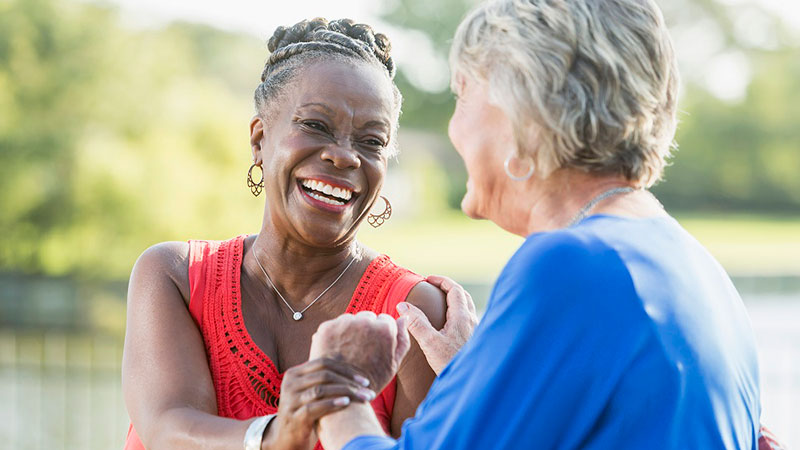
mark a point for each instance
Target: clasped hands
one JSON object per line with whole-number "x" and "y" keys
{"x": 353, "y": 357}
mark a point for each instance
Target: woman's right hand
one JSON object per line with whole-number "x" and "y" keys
{"x": 440, "y": 346}
{"x": 308, "y": 392}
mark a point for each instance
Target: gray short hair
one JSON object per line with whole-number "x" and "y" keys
{"x": 593, "y": 82}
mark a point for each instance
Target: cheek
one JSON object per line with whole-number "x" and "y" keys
{"x": 375, "y": 171}
{"x": 453, "y": 130}
{"x": 459, "y": 132}
{"x": 462, "y": 134}
{"x": 470, "y": 139}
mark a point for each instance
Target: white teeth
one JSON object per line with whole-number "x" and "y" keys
{"x": 342, "y": 193}
{"x": 327, "y": 200}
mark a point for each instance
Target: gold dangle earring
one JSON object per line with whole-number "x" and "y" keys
{"x": 255, "y": 188}
{"x": 377, "y": 220}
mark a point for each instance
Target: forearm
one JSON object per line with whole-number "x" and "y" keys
{"x": 189, "y": 428}
{"x": 339, "y": 428}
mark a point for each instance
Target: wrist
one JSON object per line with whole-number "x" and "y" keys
{"x": 270, "y": 438}
{"x": 254, "y": 436}
{"x": 337, "y": 429}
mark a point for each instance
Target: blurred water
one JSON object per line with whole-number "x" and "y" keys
{"x": 60, "y": 387}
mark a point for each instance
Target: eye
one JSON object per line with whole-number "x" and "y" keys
{"x": 373, "y": 142}
{"x": 315, "y": 125}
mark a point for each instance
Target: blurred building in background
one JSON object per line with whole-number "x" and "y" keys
{"x": 124, "y": 123}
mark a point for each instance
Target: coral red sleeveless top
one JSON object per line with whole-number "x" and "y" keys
{"x": 246, "y": 381}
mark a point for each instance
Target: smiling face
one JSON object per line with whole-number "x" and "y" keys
{"x": 324, "y": 150}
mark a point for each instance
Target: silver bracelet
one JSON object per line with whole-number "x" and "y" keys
{"x": 255, "y": 432}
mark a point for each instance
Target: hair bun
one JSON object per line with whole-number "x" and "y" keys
{"x": 353, "y": 37}
{"x": 300, "y": 32}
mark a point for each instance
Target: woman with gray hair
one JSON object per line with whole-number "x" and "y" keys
{"x": 611, "y": 327}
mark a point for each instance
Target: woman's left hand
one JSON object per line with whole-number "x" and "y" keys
{"x": 308, "y": 392}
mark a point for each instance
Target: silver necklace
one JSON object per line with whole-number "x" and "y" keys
{"x": 297, "y": 315}
{"x": 593, "y": 202}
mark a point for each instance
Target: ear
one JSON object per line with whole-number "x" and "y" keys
{"x": 256, "y": 136}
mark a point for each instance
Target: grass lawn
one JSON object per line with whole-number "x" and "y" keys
{"x": 748, "y": 244}
{"x": 465, "y": 249}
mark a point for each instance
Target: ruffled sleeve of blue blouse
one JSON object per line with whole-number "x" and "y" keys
{"x": 616, "y": 333}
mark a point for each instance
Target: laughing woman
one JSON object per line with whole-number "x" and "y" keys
{"x": 218, "y": 333}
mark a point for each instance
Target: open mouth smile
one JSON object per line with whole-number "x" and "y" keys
{"x": 329, "y": 195}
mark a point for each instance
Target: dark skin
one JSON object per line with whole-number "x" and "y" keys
{"x": 334, "y": 122}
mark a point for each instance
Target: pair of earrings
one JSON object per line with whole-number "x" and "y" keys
{"x": 375, "y": 220}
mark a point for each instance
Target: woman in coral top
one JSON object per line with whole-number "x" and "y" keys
{"x": 218, "y": 333}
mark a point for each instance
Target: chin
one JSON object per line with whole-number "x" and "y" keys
{"x": 323, "y": 238}
{"x": 322, "y": 234}
{"x": 468, "y": 207}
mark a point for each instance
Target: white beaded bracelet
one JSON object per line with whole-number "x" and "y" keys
{"x": 255, "y": 432}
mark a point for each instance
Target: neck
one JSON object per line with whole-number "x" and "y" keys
{"x": 551, "y": 203}
{"x": 299, "y": 271}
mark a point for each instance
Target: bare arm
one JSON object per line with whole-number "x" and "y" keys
{"x": 415, "y": 376}
{"x": 166, "y": 380}
{"x": 167, "y": 383}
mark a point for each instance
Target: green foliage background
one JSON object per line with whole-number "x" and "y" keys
{"x": 114, "y": 137}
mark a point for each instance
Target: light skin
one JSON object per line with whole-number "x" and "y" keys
{"x": 332, "y": 124}
{"x": 483, "y": 136}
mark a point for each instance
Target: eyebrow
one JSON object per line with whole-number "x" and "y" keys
{"x": 327, "y": 108}
{"x": 376, "y": 123}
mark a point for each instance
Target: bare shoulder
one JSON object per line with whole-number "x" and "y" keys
{"x": 431, "y": 300}
{"x": 165, "y": 261}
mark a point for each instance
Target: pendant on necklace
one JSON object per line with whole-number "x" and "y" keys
{"x": 297, "y": 316}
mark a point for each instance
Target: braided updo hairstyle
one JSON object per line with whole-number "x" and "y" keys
{"x": 309, "y": 41}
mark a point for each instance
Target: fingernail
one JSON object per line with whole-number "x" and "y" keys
{"x": 402, "y": 308}
{"x": 342, "y": 401}
{"x": 361, "y": 380}
{"x": 366, "y": 394}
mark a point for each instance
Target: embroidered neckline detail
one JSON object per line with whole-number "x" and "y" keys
{"x": 261, "y": 372}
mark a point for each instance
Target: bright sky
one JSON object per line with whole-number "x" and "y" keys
{"x": 411, "y": 50}
{"x": 725, "y": 74}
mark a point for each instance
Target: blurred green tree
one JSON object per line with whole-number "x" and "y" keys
{"x": 423, "y": 109}
{"x": 113, "y": 138}
{"x": 733, "y": 156}
{"x": 742, "y": 156}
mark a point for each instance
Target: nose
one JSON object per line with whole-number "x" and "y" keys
{"x": 342, "y": 156}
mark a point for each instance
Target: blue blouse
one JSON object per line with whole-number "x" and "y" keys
{"x": 615, "y": 333}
